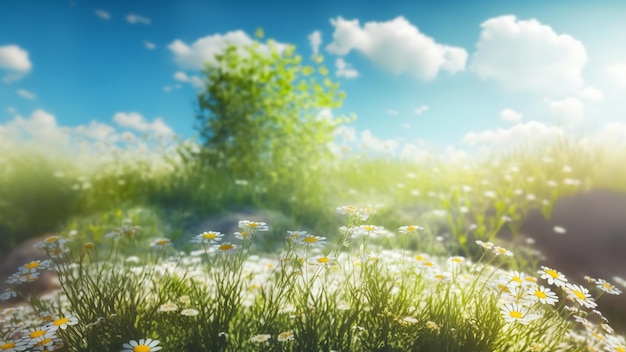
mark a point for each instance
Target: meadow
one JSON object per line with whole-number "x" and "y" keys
{"x": 372, "y": 253}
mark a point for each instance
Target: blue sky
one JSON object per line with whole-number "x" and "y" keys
{"x": 437, "y": 73}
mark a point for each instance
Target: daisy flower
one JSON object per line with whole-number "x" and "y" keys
{"x": 260, "y": 338}
{"x": 226, "y": 247}
{"x": 161, "y": 243}
{"x": 62, "y": 322}
{"x": 502, "y": 251}
{"x": 252, "y": 226}
{"x": 410, "y": 229}
{"x": 207, "y": 237}
{"x": 310, "y": 240}
{"x": 580, "y": 295}
{"x": 13, "y": 345}
{"x": 607, "y": 287}
{"x": 168, "y": 307}
{"x": 7, "y": 294}
{"x": 321, "y": 260}
{"x": 189, "y": 312}
{"x": 147, "y": 345}
{"x": 285, "y": 336}
{"x": 516, "y": 313}
{"x": 35, "y": 265}
{"x": 552, "y": 276}
{"x": 543, "y": 295}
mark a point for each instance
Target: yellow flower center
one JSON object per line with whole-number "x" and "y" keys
{"x": 226, "y": 247}
{"x": 7, "y": 345}
{"x": 517, "y": 279}
{"x": 209, "y": 236}
{"x": 310, "y": 240}
{"x": 141, "y": 348}
{"x": 429, "y": 264}
{"x": 52, "y": 239}
{"x": 580, "y": 295}
{"x": 44, "y": 342}
{"x": 32, "y": 265}
{"x": 369, "y": 228}
{"x": 163, "y": 242}
{"x": 620, "y": 349}
{"x": 540, "y": 294}
{"x": 607, "y": 285}
{"x": 515, "y": 314}
{"x": 503, "y": 288}
{"x": 323, "y": 260}
{"x": 244, "y": 234}
{"x": 552, "y": 273}
{"x": 61, "y": 321}
{"x": 411, "y": 228}
{"x": 254, "y": 224}
{"x": 36, "y": 334}
{"x": 419, "y": 257}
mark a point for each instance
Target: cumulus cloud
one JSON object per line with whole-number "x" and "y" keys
{"x": 344, "y": 69}
{"x": 526, "y": 55}
{"x": 195, "y": 81}
{"x": 392, "y": 112}
{"x": 315, "y": 39}
{"x": 149, "y": 45}
{"x": 136, "y": 19}
{"x": 569, "y": 109}
{"x": 136, "y": 121}
{"x": 40, "y": 126}
{"x": 397, "y": 46}
{"x": 203, "y": 50}
{"x": 26, "y": 94}
{"x": 422, "y": 109}
{"x": 617, "y": 73}
{"x": 591, "y": 94}
{"x": 511, "y": 115}
{"x": 14, "y": 60}
{"x": 95, "y": 130}
{"x": 532, "y": 131}
{"x": 103, "y": 14}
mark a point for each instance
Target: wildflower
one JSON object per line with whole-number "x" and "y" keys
{"x": 184, "y": 299}
{"x": 13, "y": 345}
{"x": 552, "y": 276}
{"x": 607, "y": 287}
{"x": 89, "y": 246}
{"x": 432, "y": 325}
{"x": 261, "y": 338}
{"x": 34, "y": 266}
{"x": 147, "y": 345}
{"x": 322, "y": 260}
{"x": 485, "y": 245}
{"x": 410, "y": 229}
{"x": 252, "y": 226}
{"x": 19, "y": 278}
{"x": 285, "y": 336}
{"x": 7, "y": 294}
{"x": 295, "y": 236}
{"x": 37, "y": 334}
{"x": 226, "y": 247}
{"x": 310, "y": 240}
{"x": 242, "y": 235}
{"x": 62, "y": 322}
{"x": 168, "y": 307}
{"x": 189, "y": 312}
{"x": 543, "y": 295}
{"x": 207, "y": 237}
{"x": 580, "y": 295}
{"x": 516, "y": 313}
{"x": 161, "y": 243}
{"x": 361, "y": 213}
{"x": 408, "y": 321}
{"x": 502, "y": 251}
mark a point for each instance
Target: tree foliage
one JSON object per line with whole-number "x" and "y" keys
{"x": 261, "y": 112}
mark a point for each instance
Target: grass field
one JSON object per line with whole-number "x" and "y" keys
{"x": 373, "y": 253}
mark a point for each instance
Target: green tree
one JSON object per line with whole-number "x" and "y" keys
{"x": 259, "y": 114}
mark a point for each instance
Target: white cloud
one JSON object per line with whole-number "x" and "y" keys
{"x": 617, "y": 73}
{"x": 15, "y": 61}
{"x": 344, "y": 69}
{"x": 398, "y": 46}
{"x": 95, "y": 130}
{"x": 392, "y": 112}
{"x": 103, "y": 14}
{"x": 134, "y": 19}
{"x": 204, "y": 49}
{"x": 511, "y": 115}
{"x": 315, "y": 39}
{"x": 26, "y": 94}
{"x": 40, "y": 126}
{"x": 11, "y": 110}
{"x": 591, "y": 94}
{"x": 529, "y": 56}
{"x": 136, "y": 121}
{"x": 149, "y": 45}
{"x": 195, "y": 81}
{"x": 532, "y": 131}
{"x": 422, "y": 109}
{"x": 567, "y": 110}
